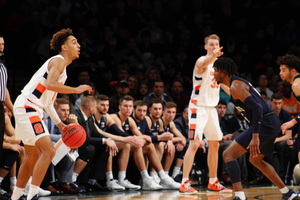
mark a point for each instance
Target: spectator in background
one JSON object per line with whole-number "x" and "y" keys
{"x": 83, "y": 77}
{"x": 158, "y": 92}
{"x": 265, "y": 97}
{"x": 133, "y": 85}
{"x": 151, "y": 75}
{"x": 142, "y": 91}
{"x": 290, "y": 103}
{"x": 263, "y": 85}
{"x": 181, "y": 99}
{"x": 122, "y": 90}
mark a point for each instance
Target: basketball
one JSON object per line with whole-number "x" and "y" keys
{"x": 73, "y": 135}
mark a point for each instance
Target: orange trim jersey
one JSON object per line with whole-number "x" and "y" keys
{"x": 36, "y": 92}
{"x": 205, "y": 88}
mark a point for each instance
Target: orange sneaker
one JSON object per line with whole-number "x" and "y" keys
{"x": 217, "y": 187}
{"x": 187, "y": 188}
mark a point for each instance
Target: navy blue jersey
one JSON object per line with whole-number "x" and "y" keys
{"x": 125, "y": 126}
{"x": 270, "y": 124}
{"x": 167, "y": 128}
{"x": 255, "y": 94}
{"x": 154, "y": 127}
{"x": 144, "y": 129}
{"x": 102, "y": 124}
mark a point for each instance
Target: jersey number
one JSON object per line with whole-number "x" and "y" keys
{"x": 214, "y": 84}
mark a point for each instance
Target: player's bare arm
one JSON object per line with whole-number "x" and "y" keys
{"x": 134, "y": 130}
{"x": 203, "y": 62}
{"x": 179, "y": 137}
{"x": 296, "y": 87}
{"x": 56, "y": 68}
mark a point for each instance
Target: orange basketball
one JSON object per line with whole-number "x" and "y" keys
{"x": 73, "y": 135}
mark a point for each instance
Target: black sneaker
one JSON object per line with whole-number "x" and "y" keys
{"x": 290, "y": 195}
{"x": 35, "y": 197}
{"x": 78, "y": 187}
{"x": 238, "y": 198}
{"x": 96, "y": 187}
{"x": 23, "y": 197}
{"x": 4, "y": 194}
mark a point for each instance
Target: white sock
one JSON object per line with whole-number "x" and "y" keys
{"x": 17, "y": 193}
{"x": 34, "y": 189}
{"x": 153, "y": 173}
{"x": 162, "y": 174}
{"x": 183, "y": 180}
{"x": 109, "y": 176}
{"x": 213, "y": 180}
{"x": 74, "y": 177}
{"x": 122, "y": 175}
{"x": 284, "y": 190}
{"x": 166, "y": 172}
{"x": 13, "y": 181}
{"x": 144, "y": 174}
{"x": 176, "y": 171}
{"x": 1, "y": 179}
{"x": 240, "y": 194}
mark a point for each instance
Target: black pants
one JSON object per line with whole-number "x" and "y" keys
{"x": 2, "y": 126}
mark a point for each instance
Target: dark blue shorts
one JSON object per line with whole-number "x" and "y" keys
{"x": 9, "y": 157}
{"x": 269, "y": 130}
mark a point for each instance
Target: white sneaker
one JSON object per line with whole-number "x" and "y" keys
{"x": 114, "y": 185}
{"x": 43, "y": 193}
{"x": 169, "y": 183}
{"x": 149, "y": 184}
{"x": 125, "y": 183}
{"x": 156, "y": 179}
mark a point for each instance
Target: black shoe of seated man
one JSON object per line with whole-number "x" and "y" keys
{"x": 238, "y": 198}
{"x": 95, "y": 186}
{"x": 77, "y": 186}
{"x": 4, "y": 194}
{"x": 23, "y": 197}
{"x": 35, "y": 197}
{"x": 67, "y": 189}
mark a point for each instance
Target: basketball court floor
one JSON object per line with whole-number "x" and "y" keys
{"x": 258, "y": 193}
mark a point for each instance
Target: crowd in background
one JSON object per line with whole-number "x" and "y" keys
{"x": 139, "y": 35}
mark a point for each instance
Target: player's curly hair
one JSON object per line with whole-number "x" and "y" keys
{"x": 226, "y": 65}
{"x": 59, "y": 38}
{"x": 290, "y": 60}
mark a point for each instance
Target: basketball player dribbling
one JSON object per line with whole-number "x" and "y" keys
{"x": 203, "y": 117}
{"x": 38, "y": 95}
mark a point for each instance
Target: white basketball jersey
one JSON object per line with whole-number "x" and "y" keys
{"x": 35, "y": 90}
{"x": 205, "y": 88}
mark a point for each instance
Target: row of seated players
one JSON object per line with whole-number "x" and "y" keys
{"x": 114, "y": 140}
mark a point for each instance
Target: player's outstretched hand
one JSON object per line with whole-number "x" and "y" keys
{"x": 218, "y": 52}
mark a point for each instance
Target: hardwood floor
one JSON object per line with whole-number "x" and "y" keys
{"x": 258, "y": 193}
